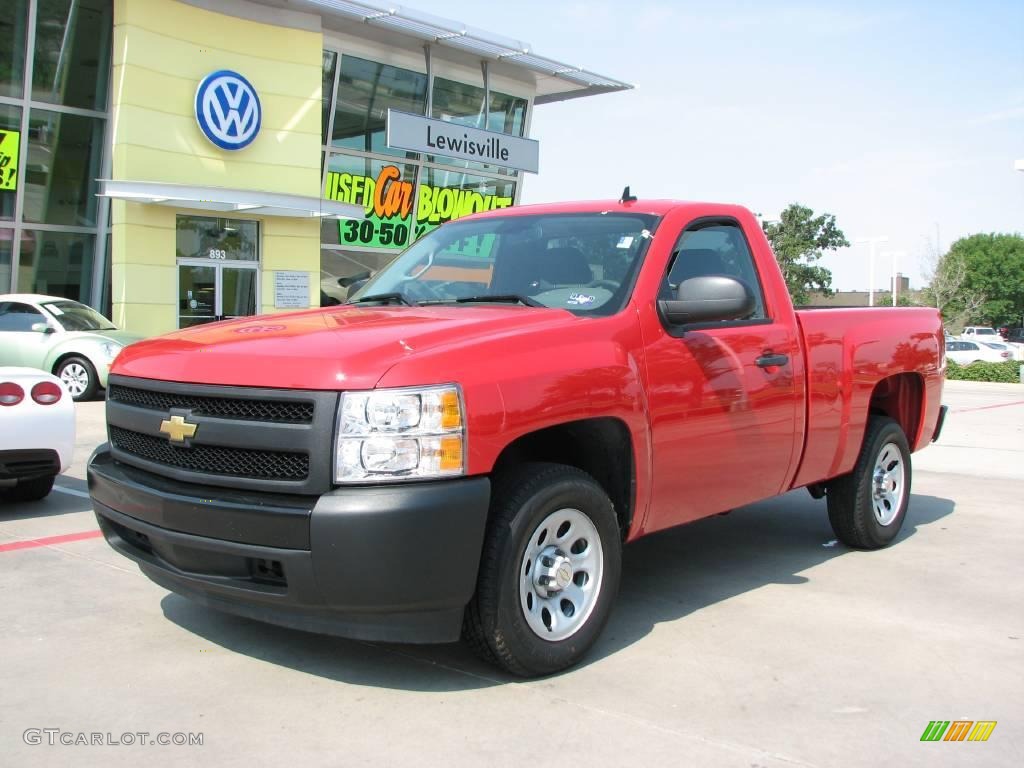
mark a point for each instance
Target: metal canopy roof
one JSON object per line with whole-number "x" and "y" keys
{"x": 556, "y": 82}
{"x": 222, "y": 200}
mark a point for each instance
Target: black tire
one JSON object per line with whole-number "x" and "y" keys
{"x": 851, "y": 499}
{"x": 92, "y": 380}
{"x": 31, "y": 490}
{"x": 495, "y": 622}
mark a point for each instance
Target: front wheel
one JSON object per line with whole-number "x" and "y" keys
{"x": 79, "y": 377}
{"x": 549, "y": 573}
{"x": 867, "y": 507}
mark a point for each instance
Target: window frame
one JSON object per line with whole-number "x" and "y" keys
{"x": 702, "y": 222}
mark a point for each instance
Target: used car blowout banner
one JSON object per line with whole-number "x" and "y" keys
{"x": 388, "y": 202}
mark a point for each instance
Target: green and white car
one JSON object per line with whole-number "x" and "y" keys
{"x": 70, "y": 340}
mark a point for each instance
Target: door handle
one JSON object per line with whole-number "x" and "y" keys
{"x": 769, "y": 360}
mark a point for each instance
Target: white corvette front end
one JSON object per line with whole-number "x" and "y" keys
{"x": 37, "y": 432}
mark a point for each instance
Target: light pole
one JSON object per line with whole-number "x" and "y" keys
{"x": 873, "y": 242}
{"x": 895, "y": 256}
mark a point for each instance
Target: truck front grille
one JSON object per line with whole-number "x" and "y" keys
{"x": 212, "y": 459}
{"x": 277, "y": 411}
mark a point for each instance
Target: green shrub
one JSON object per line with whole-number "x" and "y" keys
{"x": 1007, "y": 372}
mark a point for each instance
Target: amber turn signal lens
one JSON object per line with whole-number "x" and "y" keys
{"x": 451, "y": 412}
{"x": 451, "y": 454}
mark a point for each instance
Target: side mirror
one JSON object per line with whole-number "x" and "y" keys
{"x": 707, "y": 299}
{"x": 350, "y": 280}
{"x": 42, "y": 328}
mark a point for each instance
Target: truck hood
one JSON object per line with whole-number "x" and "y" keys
{"x": 335, "y": 348}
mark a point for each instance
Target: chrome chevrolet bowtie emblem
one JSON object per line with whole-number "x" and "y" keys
{"x": 177, "y": 429}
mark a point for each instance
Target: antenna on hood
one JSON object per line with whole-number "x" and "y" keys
{"x": 626, "y": 197}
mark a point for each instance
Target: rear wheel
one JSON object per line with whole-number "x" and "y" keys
{"x": 79, "y": 377}
{"x": 549, "y": 572}
{"x": 867, "y": 507}
{"x": 31, "y": 490}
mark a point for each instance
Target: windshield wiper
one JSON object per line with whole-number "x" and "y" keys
{"x": 384, "y": 298}
{"x": 497, "y": 298}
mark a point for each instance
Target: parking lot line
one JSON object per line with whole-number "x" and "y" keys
{"x": 48, "y": 540}
{"x": 988, "y": 407}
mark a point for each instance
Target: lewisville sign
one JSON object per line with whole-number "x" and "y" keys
{"x": 438, "y": 137}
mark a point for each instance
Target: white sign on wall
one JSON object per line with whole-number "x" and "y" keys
{"x": 291, "y": 290}
{"x": 438, "y": 137}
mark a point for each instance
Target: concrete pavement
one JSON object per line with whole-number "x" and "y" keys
{"x": 751, "y": 639}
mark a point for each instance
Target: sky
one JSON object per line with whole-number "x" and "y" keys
{"x": 901, "y": 119}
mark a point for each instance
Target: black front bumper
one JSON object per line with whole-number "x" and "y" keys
{"x": 395, "y": 563}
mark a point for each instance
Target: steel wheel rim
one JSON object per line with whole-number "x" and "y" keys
{"x": 75, "y": 377}
{"x": 560, "y": 576}
{"x": 887, "y": 483}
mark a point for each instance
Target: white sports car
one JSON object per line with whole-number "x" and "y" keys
{"x": 37, "y": 432}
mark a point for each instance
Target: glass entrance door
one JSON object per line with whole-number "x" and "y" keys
{"x": 209, "y": 292}
{"x": 218, "y": 268}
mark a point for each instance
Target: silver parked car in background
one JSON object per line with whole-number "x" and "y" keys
{"x": 63, "y": 337}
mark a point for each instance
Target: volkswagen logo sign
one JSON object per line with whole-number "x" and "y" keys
{"x": 228, "y": 110}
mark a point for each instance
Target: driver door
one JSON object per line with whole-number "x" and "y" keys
{"x": 19, "y": 344}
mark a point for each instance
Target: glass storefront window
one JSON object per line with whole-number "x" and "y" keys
{"x": 448, "y": 194}
{"x": 456, "y": 102}
{"x": 12, "y": 47}
{"x": 203, "y": 237}
{"x": 506, "y": 114}
{"x": 463, "y": 104}
{"x": 6, "y": 255}
{"x": 72, "y": 52}
{"x": 338, "y": 263}
{"x": 384, "y": 189}
{"x": 10, "y": 157}
{"x": 64, "y": 160}
{"x": 57, "y": 264}
{"x": 330, "y": 61}
{"x": 366, "y": 90}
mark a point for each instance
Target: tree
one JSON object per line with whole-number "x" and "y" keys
{"x": 993, "y": 277}
{"x": 947, "y": 290}
{"x": 799, "y": 239}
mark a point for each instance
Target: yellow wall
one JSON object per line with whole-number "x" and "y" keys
{"x": 162, "y": 49}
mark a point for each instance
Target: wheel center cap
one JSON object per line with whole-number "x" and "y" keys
{"x": 553, "y": 572}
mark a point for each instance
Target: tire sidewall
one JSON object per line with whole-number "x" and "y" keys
{"x": 544, "y": 656}
{"x": 91, "y": 387}
{"x": 884, "y": 534}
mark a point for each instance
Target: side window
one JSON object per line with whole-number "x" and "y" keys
{"x": 19, "y": 317}
{"x": 718, "y": 249}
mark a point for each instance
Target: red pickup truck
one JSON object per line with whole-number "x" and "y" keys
{"x": 467, "y": 444}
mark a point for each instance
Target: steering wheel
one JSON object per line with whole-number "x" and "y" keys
{"x": 610, "y": 285}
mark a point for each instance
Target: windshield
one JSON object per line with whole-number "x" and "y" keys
{"x": 582, "y": 262}
{"x": 984, "y": 332}
{"x": 73, "y": 316}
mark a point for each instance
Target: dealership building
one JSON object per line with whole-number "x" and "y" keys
{"x": 174, "y": 162}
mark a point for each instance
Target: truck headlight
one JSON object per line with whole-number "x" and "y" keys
{"x": 400, "y": 434}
